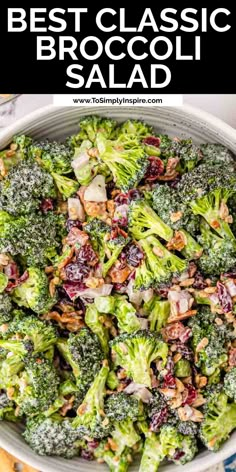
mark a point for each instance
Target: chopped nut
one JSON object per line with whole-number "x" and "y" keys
{"x": 177, "y": 357}
{"x": 4, "y": 259}
{"x": 200, "y": 381}
{"x": 187, "y": 380}
{"x": 176, "y": 216}
{"x": 218, "y": 321}
{"x": 188, "y": 413}
{"x": 203, "y": 343}
{"x": 10, "y": 153}
{"x": 94, "y": 282}
{"x": 10, "y": 392}
{"x": 215, "y": 224}
{"x": 49, "y": 269}
{"x": 178, "y": 242}
{"x": 176, "y": 402}
{"x": 187, "y": 282}
{"x": 210, "y": 289}
{"x": 168, "y": 392}
{"x": 105, "y": 422}
{"x": 200, "y": 400}
{"x": 82, "y": 409}
{"x": 158, "y": 252}
{"x": 112, "y": 444}
{"x": 179, "y": 385}
{"x": 13, "y": 146}
{"x": 93, "y": 152}
{"x": 183, "y": 316}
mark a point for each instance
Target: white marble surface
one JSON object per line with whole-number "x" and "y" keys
{"x": 223, "y": 106}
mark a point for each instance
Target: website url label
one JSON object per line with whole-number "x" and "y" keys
{"x": 113, "y": 100}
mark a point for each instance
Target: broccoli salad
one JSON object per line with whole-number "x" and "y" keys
{"x": 118, "y": 294}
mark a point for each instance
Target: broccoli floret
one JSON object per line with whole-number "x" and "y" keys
{"x": 143, "y": 222}
{"x": 20, "y": 348}
{"x": 84, "y": 354}
{"x": 34, "y": 238}
{"x": 136, "y": 128}
{"x": 52, "y": 436}
{"x": 7, "y": 408}
{"x": 24, "y": 188}
{"x": 152, "y": 454}
{"x": 135, "y": 353}
{"x": 125, "y": 314}
{"x": 177, "y": 447}
{"x": 204, "y": 179}
{"x": 5, "y": 308}
{"x": 215, "y": 211}
{"x": 30, "y": 328}
{"x": 219, "y": 255}
{"x": 93, "y": 321}
{"x": 183, "y": 368}
{"x": 219, "y": 421}
{"x": 23, "y": 142}
{"x": 213, "y": 354}
{"x": 217, "y": 154}
{"x": 159, "y": 265}
{"x": 124, "y": 435}
{"x": 188, "y": 153}
{"x": 112, "y": 380}
{"x": 10, "y": 366}
{"x": 128, "y": 166}
{"x": 33, "y": 293}
{"x": 108, "y": 246}
{"x": 89, "y": 419}
{"x": 67, "y": 187}
{"x": 3, "y": 282}
{"x": 120, "y": 406}
{"x": 188, "y": 428}
{"x": 115, "y": 462}
{"x": 172, "y": 210}
{"x": 38, "y": 386}
{"x": 159, "y": 314}
{"x": 92, "y": 125}
{"x": 53, "y": 156}
{"x": 230, "y": 383}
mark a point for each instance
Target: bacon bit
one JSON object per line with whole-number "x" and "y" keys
{"x": 158, "y": 252}
{"x": 187, "y": 282}
{"x": 178, "y": 242}
{"x": 76, "y": 236}
{"x": 203, "y": 343}
{"x": 172, "y": 332}
{"x": 119, "y": 275}
{"x": 232, "y": 357}
{"x": 215, "y": 224}
{"x": 112, "y": 444}
{"x": 82, "y": 409}
{"x": 176, "y": 216}
{"x": 183, "y": 316}
{"x": 72, "y": 321}
{"x": 94, "y": 208}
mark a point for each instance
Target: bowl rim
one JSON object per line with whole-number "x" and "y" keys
{"x": 6, "y": 133}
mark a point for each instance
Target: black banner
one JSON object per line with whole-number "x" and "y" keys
{"x": 166, "y": 49}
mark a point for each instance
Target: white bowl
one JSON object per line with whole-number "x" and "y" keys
{"x": 57, "y": 123}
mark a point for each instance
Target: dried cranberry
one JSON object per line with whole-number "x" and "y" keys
{"x": 73, "y": 224}
{"x": 120, "y": 288}
{"x": 178, "y": 455}
{"x": 224, "y": 298}
{"x": 152, "y": 141}
{"x": 154, "y": 169}
{"x": 186, "y": 352}
{"x": 87, "y": 455}
{"x": 199, "y": 282}
{"x": 76, "y": 272}
{"x": 159, "y": 419}
{"x": 189, "y": 395}
{"x": 87, "y": 254}
{"x": 93, "y": 444}
{"x": 169, "y": 381}
{"x": 133, "y": 255}
{"x": 19, "y": 281}
{"x": 46, "y": 205}
{"x": 134, "y": 194}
